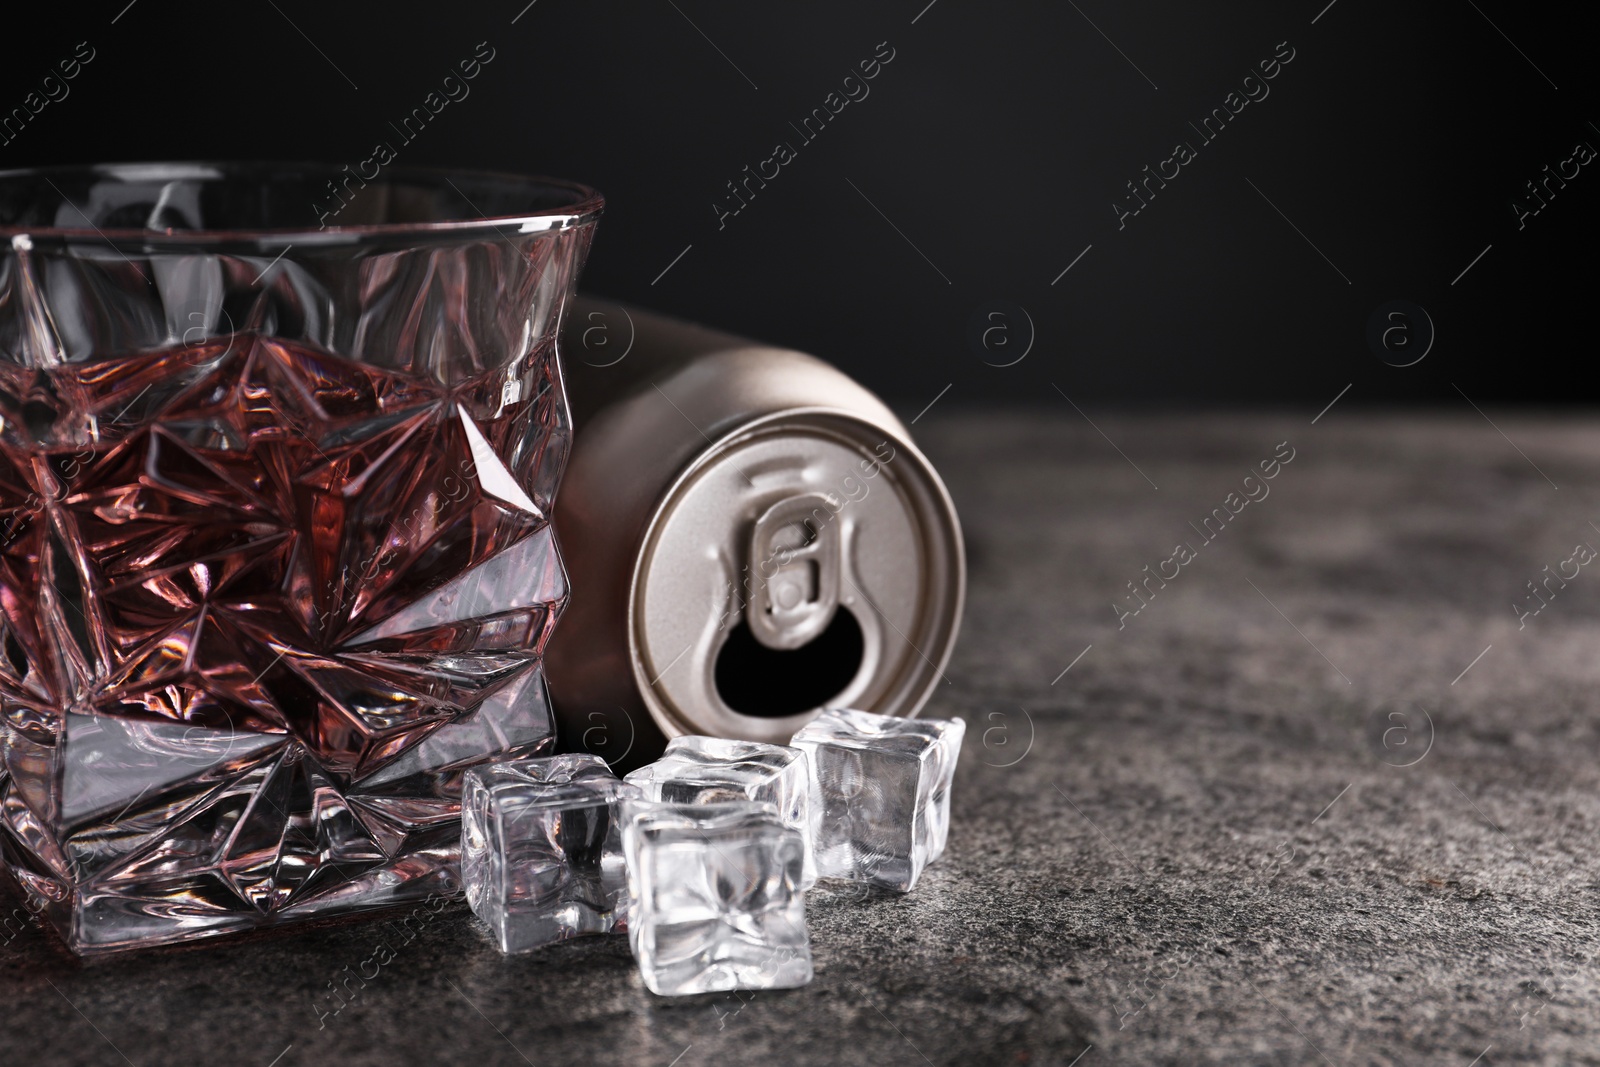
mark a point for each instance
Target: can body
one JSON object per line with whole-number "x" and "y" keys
{"x": 750, "y": 536}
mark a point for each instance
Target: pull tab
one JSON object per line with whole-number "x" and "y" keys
{"x": 794, "y": 561}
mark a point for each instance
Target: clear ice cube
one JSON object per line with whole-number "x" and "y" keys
{"x": 711, "y": 770}
{"x": 715, "y": 899}
{"x": 541, "y": 849}
{"x": 883, "y": 787}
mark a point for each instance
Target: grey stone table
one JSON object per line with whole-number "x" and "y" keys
{"x": 1330, "y": 797}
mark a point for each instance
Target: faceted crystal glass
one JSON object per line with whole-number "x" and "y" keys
{"x": 276, "y": 566}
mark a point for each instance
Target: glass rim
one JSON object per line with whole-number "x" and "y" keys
{"x": 584, "y": 205}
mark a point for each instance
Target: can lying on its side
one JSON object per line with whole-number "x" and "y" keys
{"x": 750, "y": 536}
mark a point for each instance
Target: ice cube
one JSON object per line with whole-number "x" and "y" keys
{"x": 710, "y": 770}
{"x": 715, "y": 900}
{"x": 541, "y": 849}
{"x": 883, "y": 787}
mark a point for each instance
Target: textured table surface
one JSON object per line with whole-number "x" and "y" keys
{"x": 1325, "y": 799}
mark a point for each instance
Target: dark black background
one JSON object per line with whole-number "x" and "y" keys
{"x": 996, "y": 140}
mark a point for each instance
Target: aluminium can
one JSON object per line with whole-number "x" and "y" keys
{"x": 750, "y": 536}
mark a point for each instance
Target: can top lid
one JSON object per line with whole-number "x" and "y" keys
{"x": 809, "y": 557}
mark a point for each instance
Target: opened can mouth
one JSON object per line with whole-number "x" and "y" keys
{"x": 216, "y": 205}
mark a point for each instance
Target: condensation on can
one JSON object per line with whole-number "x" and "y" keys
{"x": 751, "y": 536}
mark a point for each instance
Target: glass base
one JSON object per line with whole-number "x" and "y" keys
{"x": 255, "y": 839}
